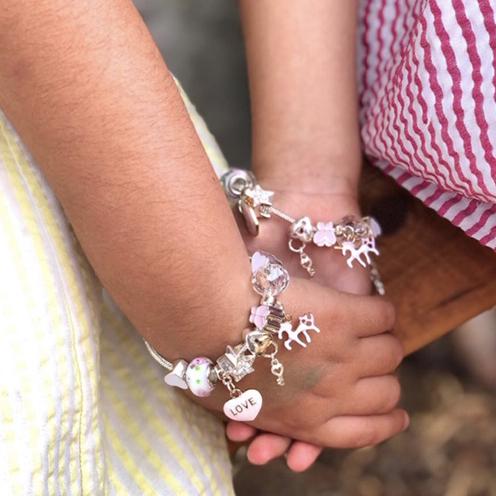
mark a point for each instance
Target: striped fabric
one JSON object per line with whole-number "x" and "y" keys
{"x": 83, "y": 408}
{"x": 428, "y": 103}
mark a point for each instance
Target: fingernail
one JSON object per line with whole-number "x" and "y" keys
{"x": 406, "y": 422}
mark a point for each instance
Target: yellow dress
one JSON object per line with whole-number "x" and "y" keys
{"x": 83, "y": 407}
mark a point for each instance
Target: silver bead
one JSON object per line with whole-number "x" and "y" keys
{"x": 175, "y": 377}
{"x": 235, "y": 181}
{"x": 302, "y": 230}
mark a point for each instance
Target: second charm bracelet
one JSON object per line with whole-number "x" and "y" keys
{"x": 354, "y": 237}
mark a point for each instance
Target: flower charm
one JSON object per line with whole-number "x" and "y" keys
{"x": 259, "y": 316}
{"x": 324, "y": 235}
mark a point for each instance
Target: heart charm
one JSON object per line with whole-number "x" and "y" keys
{"x": 251, "y": 220}
{"x": 175, "y": 377}
{"x": 245, "y": 407}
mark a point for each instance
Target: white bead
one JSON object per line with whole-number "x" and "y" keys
{"x": 197, "y": 376}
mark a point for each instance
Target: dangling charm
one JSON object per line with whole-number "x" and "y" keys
{"x": 302, "y": 231}
{"x": 359, "y": 253}
{"x": 250, "y": 217}
{"x": 244, "y": 407}
{"x": 307, "y": 323}
{"x": 305, "y": 260}
{"x": 277, "y": 369}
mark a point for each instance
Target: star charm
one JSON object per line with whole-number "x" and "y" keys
{"x": 259, "y": 197}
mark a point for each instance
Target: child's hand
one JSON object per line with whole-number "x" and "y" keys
{"x": 339, "y": 390}
{"x": 332, "y": 271}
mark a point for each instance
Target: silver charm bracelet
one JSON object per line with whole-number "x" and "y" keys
{"x": 354, "y": 237}
{"x": 270, "y": 323}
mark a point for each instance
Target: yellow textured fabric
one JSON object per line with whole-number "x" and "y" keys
{"x": 83, "y": 407}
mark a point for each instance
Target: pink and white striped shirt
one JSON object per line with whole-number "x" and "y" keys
{"x": 428, "y": 103}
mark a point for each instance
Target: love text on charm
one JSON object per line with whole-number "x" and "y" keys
{"x": 245, "y": 407}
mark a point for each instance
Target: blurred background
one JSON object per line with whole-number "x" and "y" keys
{"x": 449, "y": 387}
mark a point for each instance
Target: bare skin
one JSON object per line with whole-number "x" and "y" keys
{"x": 306, "y": 144}
{"x": 90, "y": 95}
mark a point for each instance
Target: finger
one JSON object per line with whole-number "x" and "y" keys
{"x": 379, "y": 355}
{"x": 358, "y": 432}
{"x": 374, "y": 396}
{"x": 368, "y": 315}
{"x": 238, "y": 432}
{"x": 267, "y": 447}
{"x": 361, "y": 315}
{"x": 301, "y": 456}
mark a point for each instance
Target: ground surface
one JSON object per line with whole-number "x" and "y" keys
{"x": 450, "y": 449}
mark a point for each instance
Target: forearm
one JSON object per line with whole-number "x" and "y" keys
{"x": 301, "y": 60}
{"x": 88, "y": 91}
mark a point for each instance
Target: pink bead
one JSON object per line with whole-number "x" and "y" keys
{"x": 259, "y": 316}
{"x": 324, "y": 236}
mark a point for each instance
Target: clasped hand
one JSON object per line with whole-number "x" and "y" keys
{"x": 340, "y": 391}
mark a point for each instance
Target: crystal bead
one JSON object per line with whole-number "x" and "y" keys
{"x": 261, "y": 258}
{"x": 271, "y": 279}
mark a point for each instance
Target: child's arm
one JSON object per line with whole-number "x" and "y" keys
{"x": 306, "y": 143}
{"x": 301, "y": 61}
{"x": 89, "y": 93}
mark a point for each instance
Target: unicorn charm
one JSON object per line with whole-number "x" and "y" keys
{"x": 360, "y": 254}
{"x": 307, "y": 323}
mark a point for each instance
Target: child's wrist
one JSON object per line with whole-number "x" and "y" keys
{"x": 310, "y": 180}
{"x": 204, "y": 329}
